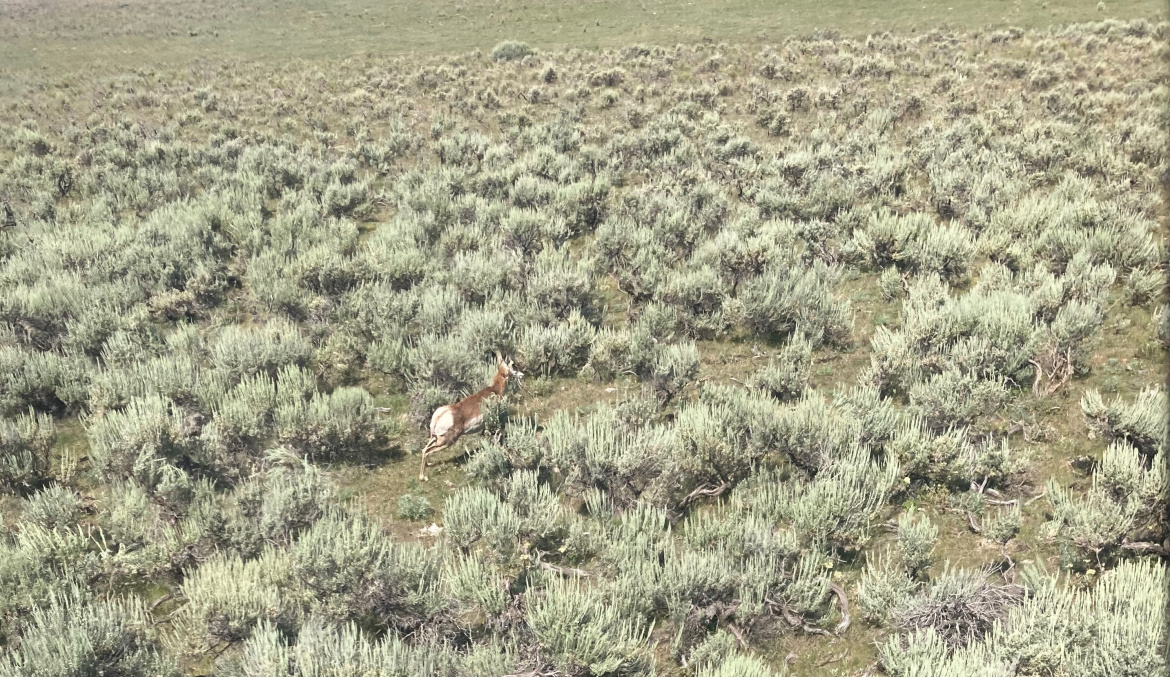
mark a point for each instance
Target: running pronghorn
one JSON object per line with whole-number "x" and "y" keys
{"x": 449, "y": 422}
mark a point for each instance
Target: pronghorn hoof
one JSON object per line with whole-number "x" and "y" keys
{"x": 422, "y": 478}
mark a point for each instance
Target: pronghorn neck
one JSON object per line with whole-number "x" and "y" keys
{"x": 499, "y": 383}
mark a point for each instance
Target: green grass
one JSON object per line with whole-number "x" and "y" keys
{"x": 56, "y": 36}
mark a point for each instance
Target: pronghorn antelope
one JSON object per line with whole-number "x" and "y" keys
{"x": 450, "y": 422}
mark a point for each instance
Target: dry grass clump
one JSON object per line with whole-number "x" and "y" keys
{"x": 960, "y": 607}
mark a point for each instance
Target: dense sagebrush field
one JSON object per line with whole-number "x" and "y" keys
{"x": 844, "y": 356}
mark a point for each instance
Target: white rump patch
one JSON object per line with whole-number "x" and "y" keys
{"x": 442, "y": 421}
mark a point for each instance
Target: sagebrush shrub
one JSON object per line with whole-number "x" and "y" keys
{"x": 1003, "y": 526}
{"x": 558, "y": 286}
{"x": 1043, "y": 628}
{"x": 1142, "y": 424}
{"x": 1161, "y": 326}
{"x": 240, "y": 352}
{"x": 474, "y": 514}
{"x": 356, "y": 573}
{"x": 915, "y": 243}
{"x": 53, "y": 507}
{"x": 953, "y": 399}
{"x": 580, "y": 632}
{"x": 474, "y": 582}
{"x": 48, "y": 382}
{"x": 446, "y": 362}
{"x": 916, "y": 541}
{"x": 781, "y": 301}
{"x": 559, "y": 349}
{"x": 413, "y": 507}
{"x": 885, "y": 589}
{"x": 24, "y": 449}
{"x": 329, "y": 650}
{"x": 675, "y": 366}
{"x": 787, "y": 376}
{"x": 1119, "y": 506}
{"x": 510, "y": 50}
{"x": 227, "y": 598}
{"x": 72, "y": 635}
{"x": 140, "y": 441}
{"x": 275, "y": 506}
{"x": 339, "y": 424}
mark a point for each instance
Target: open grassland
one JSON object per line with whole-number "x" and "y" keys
{"x": 66, "y": 34}
{"x": 845, "y": 356}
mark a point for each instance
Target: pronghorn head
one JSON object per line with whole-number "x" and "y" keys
{"x": 506, "y": 369}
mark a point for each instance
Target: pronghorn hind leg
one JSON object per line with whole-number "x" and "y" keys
{"x": 432, "y": 445}
{"x": 440, "y": 443}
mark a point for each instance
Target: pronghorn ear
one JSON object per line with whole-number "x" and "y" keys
{"x": 499, "y": 358}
